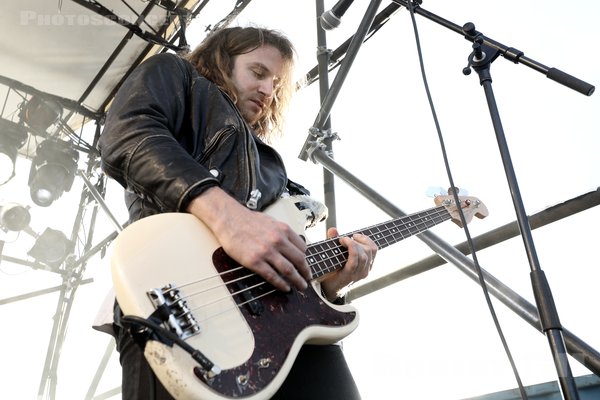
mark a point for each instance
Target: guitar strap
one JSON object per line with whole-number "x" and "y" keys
{"x": 295, "y": 189}
{"x": 318, "y": 211}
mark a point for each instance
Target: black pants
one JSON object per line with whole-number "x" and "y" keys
{"x": 319, "y": 372}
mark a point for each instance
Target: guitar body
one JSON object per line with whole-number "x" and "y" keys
{"x": 251, "y": 332}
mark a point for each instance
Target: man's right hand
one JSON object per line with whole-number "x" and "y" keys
{"x": 255, "y": 240}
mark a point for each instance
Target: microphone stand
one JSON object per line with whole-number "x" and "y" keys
{"x": 485, "y": 51}
{"x": 480, "y": 60}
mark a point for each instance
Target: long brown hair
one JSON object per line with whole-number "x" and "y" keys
{"x": 214, "y": 59}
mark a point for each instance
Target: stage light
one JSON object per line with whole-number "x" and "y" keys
{"x": 14, "y": 217}
{"x": 51, "y": 248}
{"x": 52, "y": 171}
{"x": 40, "y": 113}
{"x": 12, "y": 137}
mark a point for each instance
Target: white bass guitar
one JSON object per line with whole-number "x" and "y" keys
{"x": 217, "y": 330}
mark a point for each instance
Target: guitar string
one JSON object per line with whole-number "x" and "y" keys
{"x": 213, "y": 277}
{"x": 238, "y": 305}
{"x": 391, "y": 233}
{"x": 218, "y": 285}
{"x": 387, "y": 232}
{"x": 248, "y": 289}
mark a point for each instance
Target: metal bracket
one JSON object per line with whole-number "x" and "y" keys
{"x": 316, "y": 140}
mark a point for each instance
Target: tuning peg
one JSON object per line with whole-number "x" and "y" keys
{"x": 459, "y": 191}
{"x": 434, "y": 191}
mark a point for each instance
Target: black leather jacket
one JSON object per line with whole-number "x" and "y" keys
{"x": 170, "y": 134}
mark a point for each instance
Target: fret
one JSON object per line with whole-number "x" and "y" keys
{"x": 325, "y": 257}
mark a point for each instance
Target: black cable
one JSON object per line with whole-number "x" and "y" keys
{"x": 132, "y": 321}
{"x": 462, "y": 217}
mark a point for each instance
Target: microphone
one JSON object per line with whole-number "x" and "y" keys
{"x": 331, "y": 19}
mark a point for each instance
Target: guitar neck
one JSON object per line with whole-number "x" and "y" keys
{"x": 329, "y": 255}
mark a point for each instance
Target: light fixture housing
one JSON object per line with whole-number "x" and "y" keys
{"x": 14, "y": 217}
{"x": 12, "y": 137}
{"x": 52, "y": 171}
{"x": 40, "y": 113}
{"x": 51, "y": 248}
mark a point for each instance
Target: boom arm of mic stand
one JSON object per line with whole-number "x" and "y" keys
{"x": 510, "y": 53}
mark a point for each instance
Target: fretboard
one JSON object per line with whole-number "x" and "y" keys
{"x": 329, "y": 255}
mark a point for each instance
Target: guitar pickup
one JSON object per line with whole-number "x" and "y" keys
{"x": 254, "y": 306}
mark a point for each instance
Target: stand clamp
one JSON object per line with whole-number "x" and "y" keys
{"x": 483, "y": 55}
{"x": 316, "y": 141}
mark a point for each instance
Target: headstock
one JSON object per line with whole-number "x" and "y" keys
{"x": 470, "y": 206}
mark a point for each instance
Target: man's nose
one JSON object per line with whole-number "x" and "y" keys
{"x": 266, "y": 87}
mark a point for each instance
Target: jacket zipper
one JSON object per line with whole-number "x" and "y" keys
{"x": 214, "y": 144}
{"x": 254, "y": 192}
